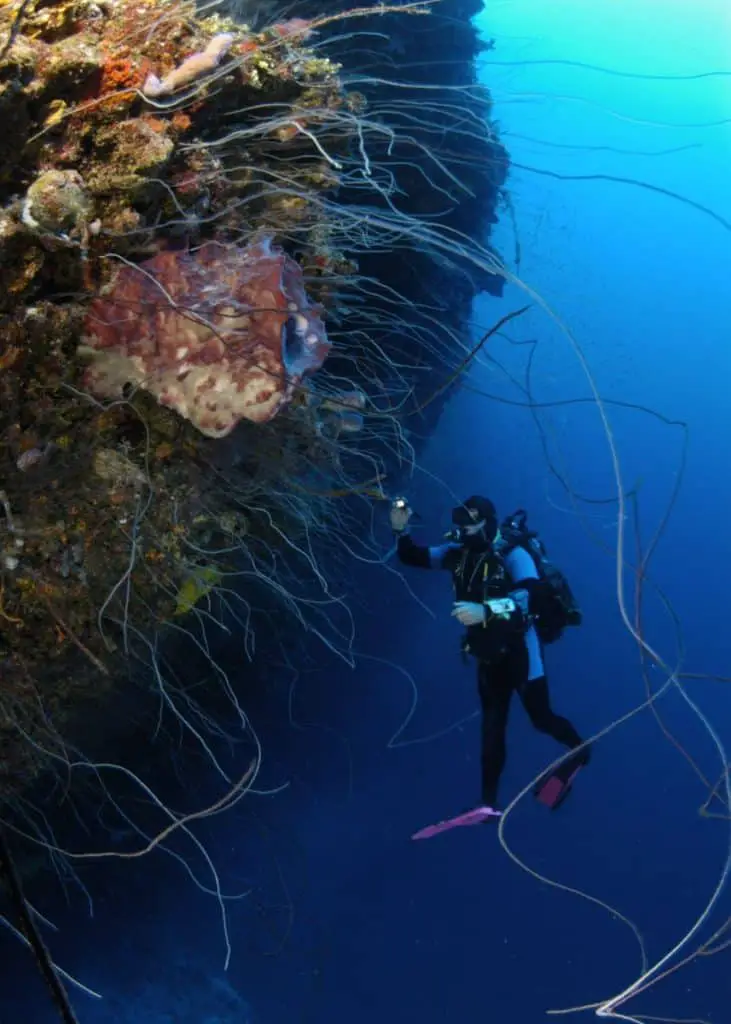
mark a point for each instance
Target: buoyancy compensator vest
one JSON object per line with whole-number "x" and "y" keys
{"x": 480, "y": 576}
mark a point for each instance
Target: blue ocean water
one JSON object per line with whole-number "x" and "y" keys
{"x": 346, "y": 918}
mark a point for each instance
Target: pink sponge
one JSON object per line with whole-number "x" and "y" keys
{"x": 220, "y": 334}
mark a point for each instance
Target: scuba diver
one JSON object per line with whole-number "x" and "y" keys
{"x": 512, "y": 601}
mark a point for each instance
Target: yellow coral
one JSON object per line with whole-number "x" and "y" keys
{"x": 200, "y": 583}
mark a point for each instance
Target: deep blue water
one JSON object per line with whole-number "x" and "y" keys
{"x": 347, "y": 919}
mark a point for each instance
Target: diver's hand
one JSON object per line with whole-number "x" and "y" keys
{"x": 503, "y": 608}
{"x": 469, "y": 613}
{"x": 400, "y": 514}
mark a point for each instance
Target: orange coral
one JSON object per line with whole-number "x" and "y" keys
{"x": 180, "y": 122}
{"x": 118, "y": 72}
{"x": 8, "y": 357}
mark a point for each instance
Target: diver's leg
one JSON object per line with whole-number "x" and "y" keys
{"x": 555, "y": 785}
{"x": 537, "y": 702}
{"x": 496, "y": 688}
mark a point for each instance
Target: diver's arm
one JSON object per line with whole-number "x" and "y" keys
{"x": 528, "y": 588}
{"x": 419, "y": 555}
{"x": 521, "y": 566}
{"x": 527, "y": 596}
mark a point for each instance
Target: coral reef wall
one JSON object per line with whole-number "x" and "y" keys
{"x": 237, "y": 251}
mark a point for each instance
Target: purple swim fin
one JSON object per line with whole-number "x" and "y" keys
{"x": 476, "y": 816}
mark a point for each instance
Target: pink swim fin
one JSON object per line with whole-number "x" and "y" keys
{"x": 476, "y": 816}
{"x": 553, "y": 789}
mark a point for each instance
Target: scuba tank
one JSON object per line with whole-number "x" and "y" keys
{"x": 558, "y": 606}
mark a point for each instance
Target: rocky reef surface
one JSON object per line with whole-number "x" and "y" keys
{"x": 237, "y": 254}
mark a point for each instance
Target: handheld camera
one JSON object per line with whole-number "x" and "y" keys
{"x": 401, "y": 504}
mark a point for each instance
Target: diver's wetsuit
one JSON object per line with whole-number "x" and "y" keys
{"x": 514, "y": 661}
